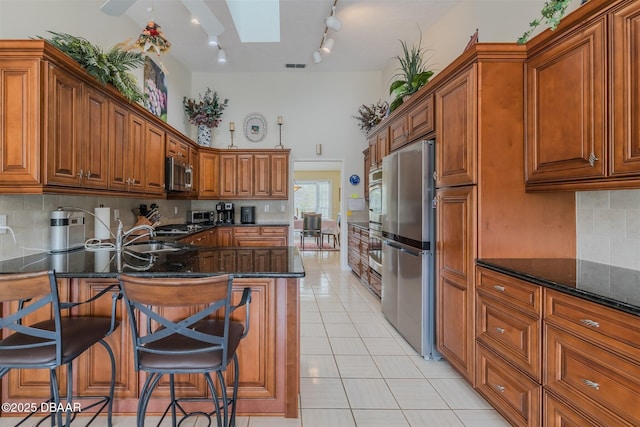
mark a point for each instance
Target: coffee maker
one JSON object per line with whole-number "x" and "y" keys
{"x": 225, "y": 213}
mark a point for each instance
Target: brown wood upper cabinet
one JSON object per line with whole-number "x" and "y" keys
{"x": 582, "y": 104}
{"x": 456, "y": 125}
{"x": 412, "y": 121}
{"x": 77, "y": 135}
{"x": 245, "y": 174}
{"x": 378, "y": 147}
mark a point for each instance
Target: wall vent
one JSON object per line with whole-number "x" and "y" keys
{"x": 295, "y": 65}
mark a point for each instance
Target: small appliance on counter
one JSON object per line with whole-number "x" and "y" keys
{"x": 200, "y": 217}
{"x": 66, "y": 229}
{"x": 248, "y": 214}
{"x": 225, "y": 213}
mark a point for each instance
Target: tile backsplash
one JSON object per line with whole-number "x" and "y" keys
{"x": 608, "y": 227}
{"x": 28, "y": 217}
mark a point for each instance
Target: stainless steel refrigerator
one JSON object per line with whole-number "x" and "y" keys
{"x": 408, "y": 231}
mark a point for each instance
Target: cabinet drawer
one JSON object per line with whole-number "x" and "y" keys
{"x": 269, "y": 231}
{"x": 511, "y": 333}
{"x": 605, "y": 326}
{"x": 558, "y": 413}
{"x": 523, "y": 295}
{"x": 252, "y": 231}
{"x": 511, "y": 392}
{"x": 591, "y": 377}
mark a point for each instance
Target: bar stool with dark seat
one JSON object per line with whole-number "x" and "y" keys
{"x": 51, "y": 343}
{"x": 203, "y": 342}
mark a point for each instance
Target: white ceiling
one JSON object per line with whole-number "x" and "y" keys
{"x": 369, "y": 37}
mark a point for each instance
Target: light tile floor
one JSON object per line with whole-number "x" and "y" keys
{"x": 356, "y": 370}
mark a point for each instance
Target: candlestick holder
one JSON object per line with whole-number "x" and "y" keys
{"x": 280, "y": 134}
{"x": 231, "y": 131}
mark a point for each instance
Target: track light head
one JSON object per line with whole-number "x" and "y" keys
{"x": 327, "y": 46}
{"x": 222, "y": 56}
{"x": 213, "y": 41}
{"x": 317, "y": 57}
{"x": 333, "y": 23}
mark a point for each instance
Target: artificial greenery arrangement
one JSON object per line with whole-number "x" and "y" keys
{"x": 371, "y": 115}
{"x": 110, "y": 67}
{"x": 207, "y": 111}
{"x": 552, "y": 12}
{"x": 412, "y": 74}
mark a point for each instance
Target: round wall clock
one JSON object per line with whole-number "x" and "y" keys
{"x": 354, "y": 179}
{"x": 255, "y": 127}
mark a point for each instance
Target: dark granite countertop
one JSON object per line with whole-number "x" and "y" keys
{"x": 611, "y": 286}
{"x": 189, "y": 261}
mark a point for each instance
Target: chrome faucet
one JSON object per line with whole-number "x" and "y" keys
{"x": 121, "y": 235}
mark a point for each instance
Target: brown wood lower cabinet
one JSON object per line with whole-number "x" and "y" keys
{"x": 268, "y": 355}
{"x": 547, "y": 358}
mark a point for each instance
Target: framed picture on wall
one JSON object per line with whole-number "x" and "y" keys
{"x": 155, "y": 88}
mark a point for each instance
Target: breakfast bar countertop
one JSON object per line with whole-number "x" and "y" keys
{"x": 188, "y": 261}
{"x": 615, "y": 287}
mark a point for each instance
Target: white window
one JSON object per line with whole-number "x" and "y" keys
{"x": 312, "y": 196}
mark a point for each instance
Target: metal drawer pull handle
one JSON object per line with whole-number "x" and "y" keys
{"x": 501, "y": 330}
{"x": 590, "y": 323}
{"x": 500, "y": 388}
{"x": 591, "y": 384}
{"x": 499, "y": 288}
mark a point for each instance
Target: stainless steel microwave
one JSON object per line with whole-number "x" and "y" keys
{"x": 178, "y": 176}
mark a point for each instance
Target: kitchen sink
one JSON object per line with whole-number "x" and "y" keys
{"x": 152, "y": 247}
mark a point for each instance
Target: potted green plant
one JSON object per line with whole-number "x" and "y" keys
{"x": 206, "y": 113}
{"x": 110, "y": 67}
{"x": 552, "y": 12}
{"x": 370, "y": 115}
{"x": 413, "y": 73}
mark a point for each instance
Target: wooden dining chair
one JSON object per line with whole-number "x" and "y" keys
{"x": 311, "y": 226}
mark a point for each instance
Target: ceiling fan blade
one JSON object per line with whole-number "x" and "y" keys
{"x": 116, "y": 7}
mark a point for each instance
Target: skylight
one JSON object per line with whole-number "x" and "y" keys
{"x": 256, "y": 21}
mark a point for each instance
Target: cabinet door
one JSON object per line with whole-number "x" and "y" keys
{"x": 456, "y": 130}
{"x": 262, "y": 175}
{"x": 64, "y": 108}
{"x": 279, "y": 176}
{"x": 228, "y": 170}
{"x": 208, "y": 173}
{"x": 625, "y": 53}
{"x": 95, "y": 139}
{"x": 420, "y": 118}
{"x": 118, "y": 147}
{"x": 398, "y": 133}
{"x": 20, "y": 105}
{"x": 224, "y": 236}
{"x": 244, "y": 176}
{"x": 566, "y": 108}
{"x": 153, "y": 177}
{"x": 455, "y": 255}
{"x": 134, "y": 156}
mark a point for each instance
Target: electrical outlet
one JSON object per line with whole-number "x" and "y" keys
{"x": 116, "y": 214}
{"x": 266, "y": 208}
{"x": 3, "y": 223}
{"x": 175, "y": 210}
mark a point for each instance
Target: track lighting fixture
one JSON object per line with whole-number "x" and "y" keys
{"x": 213, "y": 41}
{"x": 326, "y": 44}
